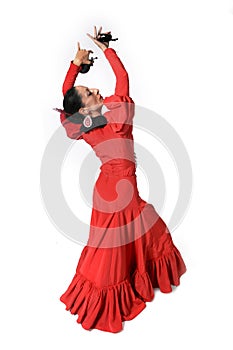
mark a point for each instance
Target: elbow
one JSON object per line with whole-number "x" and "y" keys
{"x": 126, "y": 78}
{"x": 125, "y": 75}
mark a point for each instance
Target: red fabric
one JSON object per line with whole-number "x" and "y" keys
{"x": 70, "y": 78}
{"x": 130, "y": 249}
{"x": 122, "y": 80}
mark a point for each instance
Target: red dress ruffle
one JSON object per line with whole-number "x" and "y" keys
{"x": 106, "y": 307}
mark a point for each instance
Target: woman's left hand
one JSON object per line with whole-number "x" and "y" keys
{"x": 102, "y": 46}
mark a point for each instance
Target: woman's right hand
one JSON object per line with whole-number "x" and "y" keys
{"x": 82, "y": 56}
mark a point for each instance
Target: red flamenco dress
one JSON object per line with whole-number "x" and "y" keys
{"x": 130, "y": 250}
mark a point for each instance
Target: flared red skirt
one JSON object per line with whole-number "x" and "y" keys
{"x": 129, "y": 253}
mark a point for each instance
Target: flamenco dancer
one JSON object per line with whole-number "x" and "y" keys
{"x": 130, "y": 251}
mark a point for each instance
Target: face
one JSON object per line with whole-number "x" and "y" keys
{"x": 91, "y": 98}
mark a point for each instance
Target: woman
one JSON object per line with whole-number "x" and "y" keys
{"x": 130, "y": 250}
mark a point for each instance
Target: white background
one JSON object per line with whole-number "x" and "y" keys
{"x": 179, "y": 57}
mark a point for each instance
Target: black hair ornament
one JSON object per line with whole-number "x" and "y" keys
{"x": 104, "y": 38}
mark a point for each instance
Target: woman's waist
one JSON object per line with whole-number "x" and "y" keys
{"x": 119, "y": 167}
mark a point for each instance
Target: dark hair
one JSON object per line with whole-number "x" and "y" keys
{"x": 72, "y": 101}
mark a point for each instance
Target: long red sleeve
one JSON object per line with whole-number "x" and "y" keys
{"x": 70, "y": 78}
{"x": 122, "y": 79}
{"x": 72, "y": 130}
{"x": 120, "y": 104}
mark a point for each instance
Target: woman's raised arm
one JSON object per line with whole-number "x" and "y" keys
{"x": 81, "y": 57}
{"x": 122, "y": 79}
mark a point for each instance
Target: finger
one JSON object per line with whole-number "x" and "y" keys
{"x": 90, "y": 36}
{"x": 79, "y": 46}
{"x": 95, "y": 32}
{"x": 93, "y": 39}
{"x": 99, "y": 31}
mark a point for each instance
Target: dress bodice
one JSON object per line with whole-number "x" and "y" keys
{"x": 113, "y": 143}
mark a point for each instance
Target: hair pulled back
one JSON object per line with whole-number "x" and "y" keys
{"x": 72, "y": 101}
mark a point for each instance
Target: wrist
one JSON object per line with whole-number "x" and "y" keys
{"x": 77, "y": 62}
{"x": 107, "y": 50}
{"x": 104, "y": 48}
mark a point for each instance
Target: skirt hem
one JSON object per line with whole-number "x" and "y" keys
{"x": 106, "y": 308}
